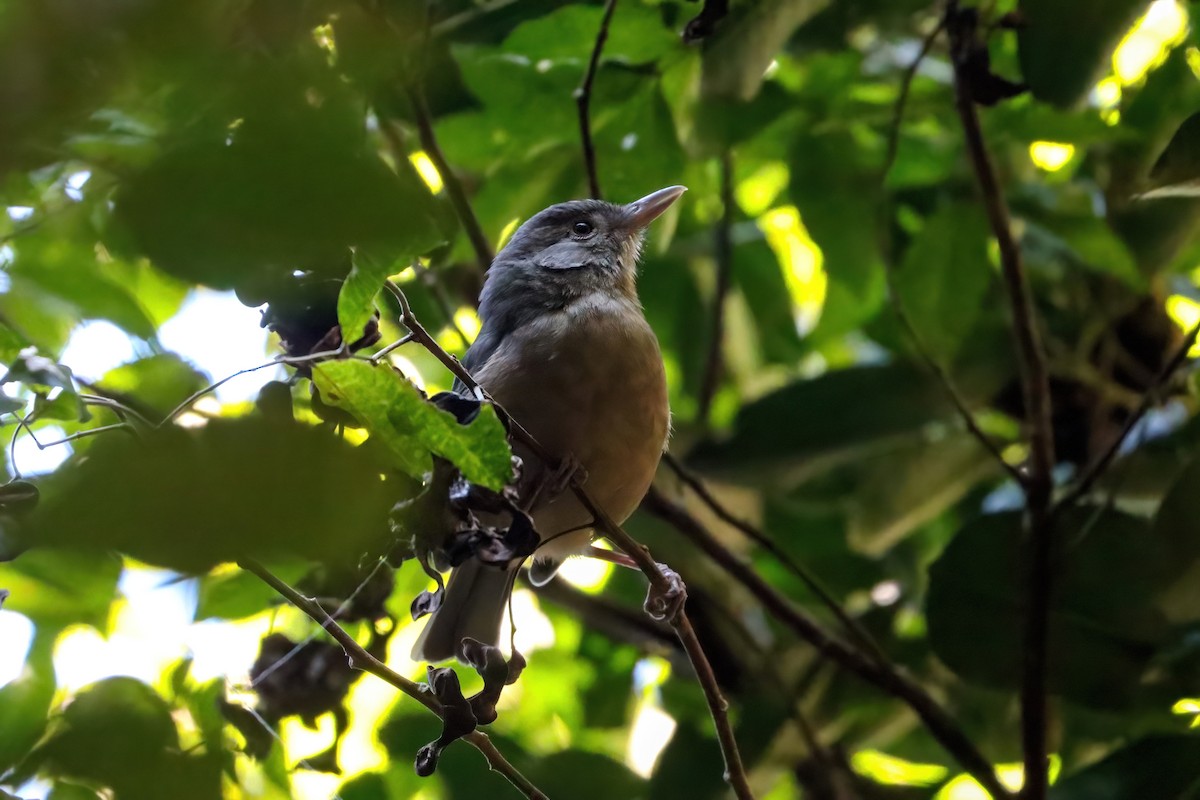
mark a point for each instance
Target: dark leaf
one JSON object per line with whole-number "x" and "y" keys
{"x": 1104, "y": 628}
{"x": 1065, "y": 45}
{"x": 1158, "y": 766}
{"x": 944, "y": 276}
{"x": 44, "y": 375}
{"x": 190, "y": 499}
{"x": 812, "y": 424}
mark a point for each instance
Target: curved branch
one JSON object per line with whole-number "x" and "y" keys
{"x": 362, "y": 660}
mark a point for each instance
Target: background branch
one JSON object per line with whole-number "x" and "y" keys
{"x": 1035, "y": 387}
{"x": 810, "y": 581}
{"x": 883, "y": 675}
{"x": 583, "y": 99}
{"x": 454, "y": 188}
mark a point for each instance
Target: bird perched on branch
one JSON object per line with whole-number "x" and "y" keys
{"x": 565, "y": 349}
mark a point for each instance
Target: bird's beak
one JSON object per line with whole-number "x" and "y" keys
{"x": 641, "y": 213}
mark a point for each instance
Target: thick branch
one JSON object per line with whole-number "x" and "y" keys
{"x": 884, "y": 676}
{"x": 361, "y": 659}
{"x": 583, "y": 100}
{"x": 1035, "y": 386}
{"x": 723, "y": 251}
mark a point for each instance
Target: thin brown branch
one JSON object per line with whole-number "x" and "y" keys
{"x": 922, "y": 349}
{"x": 454, "y": 187}
{"x": 943, "y": 378}
{"x": 910, "y": 74}
{"x": 884, "y": 676}
{"x": 583, "y": 101}
{"x": 723, "y": 252}
{"x": 1035, "y": 387}
{"x": 362, "y": 660}
{"x": 735, "y": 772}
{"x": 1099, "y": 466}
{"x": 663, "y": 585}
{"x": 810, "y": 581}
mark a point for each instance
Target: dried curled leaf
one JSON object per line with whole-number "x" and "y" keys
{"x": 458, "y": 719}
{"x": 488, "y": 661}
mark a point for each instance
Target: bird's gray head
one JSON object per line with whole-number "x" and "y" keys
{"x": 570, "y": 250}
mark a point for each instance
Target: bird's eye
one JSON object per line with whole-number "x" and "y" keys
{"x": 581, "y": 228}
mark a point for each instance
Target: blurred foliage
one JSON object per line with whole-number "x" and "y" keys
{"x": 150, "y": 148}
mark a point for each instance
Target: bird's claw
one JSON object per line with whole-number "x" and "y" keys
{"x": 665, "y": 603}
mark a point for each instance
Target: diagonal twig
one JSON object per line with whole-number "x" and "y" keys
{"x": 1099, "y": 465}
{"x": 362, "y": 660}
{"x": 583, "y": 100}
{"x": 940, "y": 373}
{"x": 853, "y": 629}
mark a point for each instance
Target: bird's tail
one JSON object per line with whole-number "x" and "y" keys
{"x": 474, "y": 605}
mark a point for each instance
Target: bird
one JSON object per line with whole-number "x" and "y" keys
{"x": 564, "y": 347}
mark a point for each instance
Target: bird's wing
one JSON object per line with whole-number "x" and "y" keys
{"x": 478, "y": 353}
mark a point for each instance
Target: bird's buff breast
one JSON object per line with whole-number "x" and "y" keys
{"x": 587, "y": 381}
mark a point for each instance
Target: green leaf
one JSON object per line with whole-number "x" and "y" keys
{"x": 192, "y": 498}
{"x": 118, "y": 732}
{"x": 944, "y": 276}
{"x": 1086, "y": 242}
{"x": 356, "y": 300}
{"x": 1158, "y": 766}
{"x": 10, "y": 404}
{"x": 1175, "y": 528}
{"x": 1176, "y": 173}
{"x": 160, "y": 382}
{"x": 907, "y": 488}
{"x": 1065, "y": 45}
{"x": 295, "y": 187}
{"x": 1104, "y": 628}
{"x": 56, "y": 588}
{"x": 25, "y": 702}
{"x": 558, "y": 776}
{"x": 759, "y": 276}
{"x": 813, "y": 424}
{"x": 636, "y": 35}
{"x": 71, "y": 791}
{"x": 411, "y": 428}
{"x": 43, "y": 375}
{"x": 239, "y": 594}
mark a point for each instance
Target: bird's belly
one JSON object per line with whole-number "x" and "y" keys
{"x": 596, "y": 392}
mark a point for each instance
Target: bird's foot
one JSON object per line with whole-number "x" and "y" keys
{"x": 666, "y": 601}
